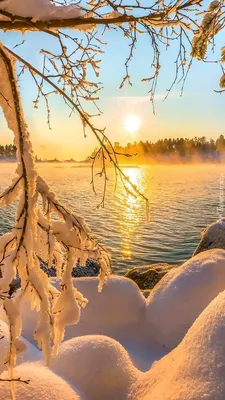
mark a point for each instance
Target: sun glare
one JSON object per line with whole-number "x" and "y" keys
{"x": 132, "y": 123}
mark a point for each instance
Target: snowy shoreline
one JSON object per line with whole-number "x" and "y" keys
{"x": 127, "y": 347}
{"x": 167, "y": 346}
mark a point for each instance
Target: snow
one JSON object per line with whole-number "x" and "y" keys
{"x": 40, "y": 10}
{"x": 43, "y": 385}
{"x": 31, "y": 353}
{"x": 106, "y": 312}
{"x": 101, "y": 368}
{"x": 121, "y": 334}
{"x": 114, "y": 302}
{"x": 118, "y": 312}
{"x": 146, "y": 329}
{"x": 196, "y": 368}
{"x": 183, "y": 294}
{"x": 4, "y": 343}
{"x": 185, "y": 312}
{"x": 20, "y": 249}
{"x": 20, "y": 255}
{"x": 25, "y": 350}
{"x": 212, "y": 237}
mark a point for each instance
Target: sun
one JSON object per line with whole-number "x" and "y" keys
{"x": 132, "y": 123}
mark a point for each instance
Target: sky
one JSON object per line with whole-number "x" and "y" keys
{"x": 199, "y": 112}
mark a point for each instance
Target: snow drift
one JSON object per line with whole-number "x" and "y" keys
{"x": 213, "y": 237}
{"x": 30, "y": 353}
{"x": 183, "y": 294}
{"x": 118, "y": 312}
{"x": 146, "y": 329}
{"x": 43, "y": 385}
{"x": 196, "y": 368}
{"x": 97, "y": 365}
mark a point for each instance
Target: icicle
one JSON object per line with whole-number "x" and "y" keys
{"x": 66, "y": 308}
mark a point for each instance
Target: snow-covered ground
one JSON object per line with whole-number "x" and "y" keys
{"x": 168, "y": 347}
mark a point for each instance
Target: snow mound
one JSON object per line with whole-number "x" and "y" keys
{"x": 196, "y": 368}
{"x": 97, "y": 365}
{"x": 100, "y": 368}
{"x": 213, "y": 237}
{"x": 117, "y": 310}
{"x": 4, "y": 343}
{"x": 43, "y": 385}
{"x": 31, "y": 353}
{"x": 183, "y": 294}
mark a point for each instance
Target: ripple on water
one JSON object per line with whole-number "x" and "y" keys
{"x": 183, "y": 200}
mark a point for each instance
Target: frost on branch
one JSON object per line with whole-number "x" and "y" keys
{"x": 223, "y": 54}
{"x": 36, "y": 236}
{"x": 212, "y": 23}
{"x": 222, "y": 81}
{"x": 208, "y": 29}
{"x": 40, "y": 10}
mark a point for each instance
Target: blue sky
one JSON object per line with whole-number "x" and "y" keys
{"x": 199, "y": 112}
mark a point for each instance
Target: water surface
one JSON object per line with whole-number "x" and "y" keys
{"x": 183, "y": 200}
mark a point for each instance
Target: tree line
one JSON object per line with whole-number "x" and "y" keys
{"x": 172, "y": 150}
{"x": 180, "y": 149}
{"x": 8, "y": 151}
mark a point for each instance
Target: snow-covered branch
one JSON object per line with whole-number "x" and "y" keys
{"x": 35, "y": 234}
{"x": 37, "y": 10}
{"x": 41, "y": 14}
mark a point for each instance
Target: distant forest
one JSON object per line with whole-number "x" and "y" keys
{"x": 197, "y": 149}
{"x": 8, "y": 152}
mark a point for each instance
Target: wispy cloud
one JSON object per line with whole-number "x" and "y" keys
{"x": 133, "y": 99}
{"x": 146, "y": 99}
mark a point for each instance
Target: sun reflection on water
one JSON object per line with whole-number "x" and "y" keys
{"x": 183, "y": 199}
{"x": 130, "y": 206}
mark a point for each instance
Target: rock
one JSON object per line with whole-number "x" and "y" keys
{"x": 213, "y": 237}
{"x": 146, "y": 293}
{"x": 14, "y": 286}
{"x": 50, "y": 271}
{"x": 148, "y": 276}
{"x": 91, "y": 269}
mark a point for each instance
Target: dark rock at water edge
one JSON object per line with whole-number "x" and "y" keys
{"x": 146, "y": 293}
{"x": 148, "y": 276}
{"x": 91, "y": 268}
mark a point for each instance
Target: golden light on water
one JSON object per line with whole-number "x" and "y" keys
{"x": 130, "y": 213}
{"x": 132, "y": 123}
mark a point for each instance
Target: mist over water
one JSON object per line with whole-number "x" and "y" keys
{"x": 183, "y": 200}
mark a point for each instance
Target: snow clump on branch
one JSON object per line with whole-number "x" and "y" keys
{"x": 40, "y": 10}
{"x": 36, "y": 235}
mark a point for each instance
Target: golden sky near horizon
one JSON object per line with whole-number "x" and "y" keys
{"x": 199, "y": 112}
{"x": 126, "y": 119}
